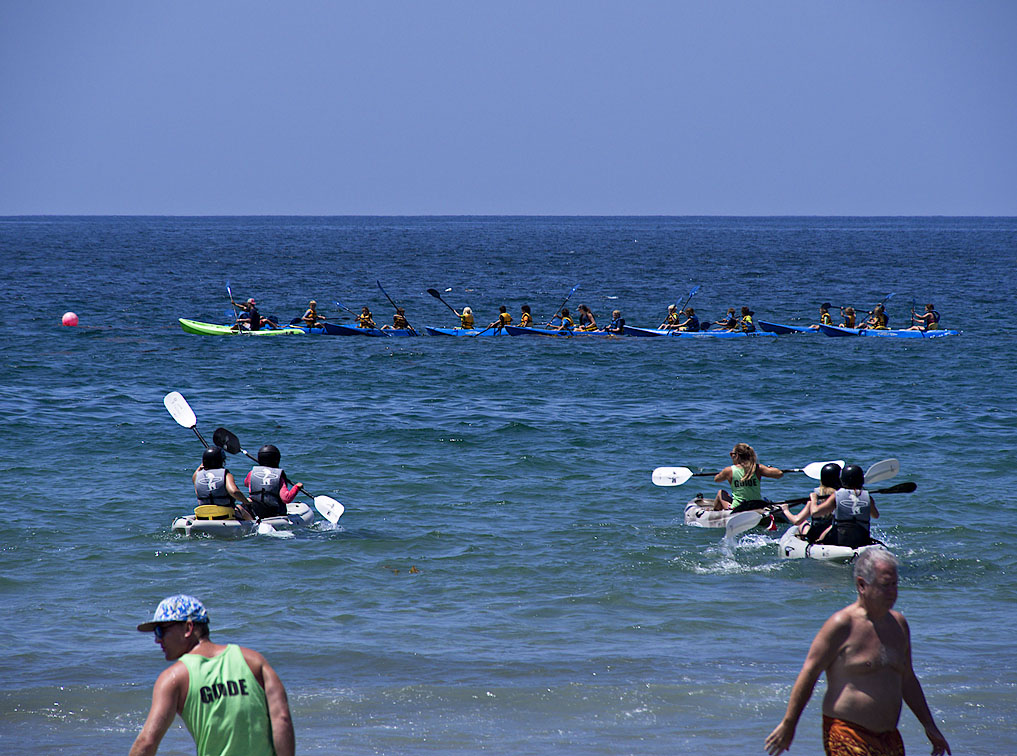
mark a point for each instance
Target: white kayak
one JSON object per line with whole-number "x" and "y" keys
{"x": 700, "y": 513}
{"x": 793, "y": 546}
{"x": 298, "y": 515}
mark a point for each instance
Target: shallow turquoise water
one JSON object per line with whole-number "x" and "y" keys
{"x": 560, "y": 604}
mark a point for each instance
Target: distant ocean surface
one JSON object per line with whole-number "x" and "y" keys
{"x": 558, "y": 603}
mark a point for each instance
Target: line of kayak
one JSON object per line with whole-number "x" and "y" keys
{"x": 781, "y": 329}
{"x": 766, "y": 329}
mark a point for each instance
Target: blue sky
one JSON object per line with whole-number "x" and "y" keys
{"x": 772, "y": 107}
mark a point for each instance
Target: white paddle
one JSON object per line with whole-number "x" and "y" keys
{"x": 742, "y": 521}
{"x": 676, "y": 476}
{"x": 882, "y": 470}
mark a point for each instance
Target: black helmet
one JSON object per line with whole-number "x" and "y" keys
{"x": 213, "y": 458}
{"x": 829, "y": 476}
{"x": 852, "y": 477}
{"x": 268, "y": 456}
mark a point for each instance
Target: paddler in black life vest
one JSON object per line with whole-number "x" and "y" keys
{"x": 270, "y": 489}
{"x": 809, "y": 525}
{"x": 311, "y": 318}
{"x": 691, "y": 322}
{"x": 587, "y": 320}
{"x": 852, "y": 508}
{"x": 730, "y": 321}
{"x": 251, "y": 319}
{"x": 617, "y": 324}
{"x": 214, "y": 484}
{"x": 504, "y": 319}
{"x": 365, "y": 319}
{"x": 526, "y": 319}
{"x": 927, "y": 321}
{"x": 671, "y": 319}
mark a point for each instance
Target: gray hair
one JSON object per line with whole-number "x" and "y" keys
{"x": 865, "y": 565}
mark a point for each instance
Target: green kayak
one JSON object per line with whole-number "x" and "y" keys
{"x": 214, "y": 329}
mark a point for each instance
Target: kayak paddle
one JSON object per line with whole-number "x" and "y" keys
{"x": 558, "y": 311}
{"x": 676, "y": 476}
{"x": 437, "y": 295}
{"x": 882, "y": 470}
{"x": 742, "y": 521}
{"x": 393, "y": 303}
{"x": 328, "y": 507}
{"x": 908, "y": 487}
{"x": 236, "y": 315}
{"x": 182, "y": 413}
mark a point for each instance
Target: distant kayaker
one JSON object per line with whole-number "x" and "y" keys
{"x": 744, "y": 476}
{"x": 617, "y": 324}
{"x": 745, "y": 322}
{"x": 691, "y": 322}
{"x": 730, "y": 321}
{"x": 251, "y": 319}
{"x": 466, "y": 319}
{"x": 365, "y": 319}
{"x": 849, "y": 317}
{"x": 877, "y": 319}
{"x": 927, "y": 321}
{"x": 809, "y": 526}
{"x": 526, "y": 319}
{"x": 311, "y": 318}
{"x": 214, "y": 484}
{"x": 671, "y": 319}
{"x": 399, "y": 321}
{"x": 852, "y": 508}
{"x": 504, "y": 319}
{"x": 824, "y": 316}
{"x": 567, "y": 324}
{"x": 865, "y": 651}
{"x": 587, "y": 320}
{"x": 230, "y": 698}
{"x": 270, "y": 489}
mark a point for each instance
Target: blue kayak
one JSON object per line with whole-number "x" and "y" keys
{"x": 531, "y": 331}
{"x": 782, "y": 330}
{"x": 633, "y": 331}
{"x": 337, "y": 329}
{"x": 435, "y": 331}
{"x": 886, "y": 333}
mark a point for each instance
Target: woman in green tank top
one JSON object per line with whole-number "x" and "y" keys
{"x": 744, "y": 476}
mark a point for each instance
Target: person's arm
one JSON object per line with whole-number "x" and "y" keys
{"x": 770, "y": 472}
{"x": 289, "y": 494}
{"x": 873, "y": 512}
{"x": 802, "y": 516}
{"x": 914, "y": 697}
{"x": 278, "y": 712}
{"x": 822, "y": 653}
{"x": 723, "y": 475}
{"x": 160, "y": 716}
{"x": 826, "y": 507}
{"x": 233, "y": 491}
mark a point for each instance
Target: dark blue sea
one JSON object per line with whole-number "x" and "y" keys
{"x": 506, "y": 579}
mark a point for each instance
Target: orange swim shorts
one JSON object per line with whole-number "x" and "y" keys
{"x": 843, "y": 738}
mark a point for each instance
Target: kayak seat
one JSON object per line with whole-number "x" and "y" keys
{"x": 214, "y": 512}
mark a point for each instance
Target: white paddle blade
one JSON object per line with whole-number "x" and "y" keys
{"x": 265, "y": 528}
{"x": 739, "y": 523}
{"x": 882, "y": 470}
{"x": 813, "y": 470}
{"x": 329, "y": 508}
{"x": 670, "y": 476}
{"x": 180, "y": 409}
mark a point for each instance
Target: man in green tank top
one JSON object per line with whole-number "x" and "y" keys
{"x": 231, "y": 700}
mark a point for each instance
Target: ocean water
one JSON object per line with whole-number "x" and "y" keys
{"x": 506, "y": 579}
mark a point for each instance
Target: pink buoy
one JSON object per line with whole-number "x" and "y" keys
{"x": 69, "y": 319}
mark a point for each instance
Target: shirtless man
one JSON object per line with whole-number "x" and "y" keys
{"x": 865, "y": 650}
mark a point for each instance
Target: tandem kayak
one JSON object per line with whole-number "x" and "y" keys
{"x": 633, "y": 331}
{"x": 532, "y": 331}
{"x": 214, "y": 329}
{"x": 793, "y": 546}
{"x": 782, "y": 330}
{"x": 337, "y": 329}
{"x": 700, "y": 513}
{"x": 435, "y": 331}
{"x": 298, "y": 515}
{"x": 885, "y": 332}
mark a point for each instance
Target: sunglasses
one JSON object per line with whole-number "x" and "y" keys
{"x": 160, "y": 630}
